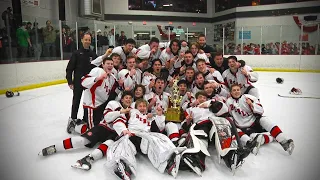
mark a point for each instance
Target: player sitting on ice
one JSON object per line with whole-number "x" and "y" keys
{"x": 139, "y": 134}
{"x": 199, "y": 124}
{"x": 98, "y": 134}
{"x": 248, "y": 116}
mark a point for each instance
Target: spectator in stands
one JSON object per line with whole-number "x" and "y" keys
{"x": 23, "y": 40}
{"x": 121, "y": 39}
{"x": 49, "y": 36}
{"x": 111, "y": 39}
{"x": 8, "y": 14}
{"x": 36, "y": 40}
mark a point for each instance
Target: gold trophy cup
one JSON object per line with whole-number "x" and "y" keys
{"x": 175, "y": 113}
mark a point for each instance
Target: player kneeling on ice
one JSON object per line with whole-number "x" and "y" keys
{"x": 103, "y": 133}
{"x": 137, "y": 137}
{"x": 247, "y": 113}
{"x": 201, "y": 122}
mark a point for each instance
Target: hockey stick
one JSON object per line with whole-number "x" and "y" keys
{"x": 298, "y": 96}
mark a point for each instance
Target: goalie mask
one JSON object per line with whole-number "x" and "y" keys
{"x": 9, "y": 94}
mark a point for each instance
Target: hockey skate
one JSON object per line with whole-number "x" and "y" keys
{"x": 71, "y": 125}
{"x": 84, "y": 163}
{"x": 193, "y": 161}
{"x": 254, "y": 144}
{"x": 48, "y": 151}
{"x": 288, "y": 145}
{"x": 235, "y": 159}
{"x": 122, "y": 170}
{"x": 173, "y": 164}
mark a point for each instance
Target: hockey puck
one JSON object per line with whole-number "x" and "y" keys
{"x": 279, "y": 80}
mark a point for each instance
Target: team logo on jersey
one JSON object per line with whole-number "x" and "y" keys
{"x": 89, "y": 133}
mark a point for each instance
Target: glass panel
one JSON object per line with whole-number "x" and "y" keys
{"x": 51, "y": 39}
{"x": 290, "y": 40}
{"x": 8, "y": 43}
{"x": 69, "y": 40}
{"x": 270, "y": 39}
{"x": 86, "y": 26}
{"x": 123, "y": 32}
{"x": 194, "y": 32}
{"x": 251, "y": 40}
{"x": 143, "y": 34}
{"x": 230, "y": 40}
{"x": 103, "y": 35}
{"x": 309, "y": 42}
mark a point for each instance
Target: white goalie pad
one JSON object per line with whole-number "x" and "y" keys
{"x": 198, "y": 144}
{"x": 122, "y": 149}
{"x": 224, "y": 140}
{"x": 158, "y": 147}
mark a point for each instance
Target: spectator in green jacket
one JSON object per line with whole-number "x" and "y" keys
{"x": 23, "y": 39}
{"x": 49, "y": 40}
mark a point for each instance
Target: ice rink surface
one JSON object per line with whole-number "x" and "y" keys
{"x": 38, "y": 118}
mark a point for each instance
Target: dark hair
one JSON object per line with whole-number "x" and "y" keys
{"x": 188, "y": 52}
{"x": 114, "y": 55}
{"x": 200, "y": 60}
{"x": 155, "y": 60}
{"x": 131, "y": 57}
{"x": 154, "y": 39}
{"x": 126, "y": 93}
{"x": 201, "y": 93}
{"x": 205, "y": 83}
{"x": 182, "y": 81}
{"x": 140, "y": 86}
{"x": 190, "y": 68}
{"x": 219, "y": 53}
{"x": 106, "y": 59}
{"x": 130, "y": 41}
{"x": 232, "y": 57}
{"x": 201, "y": 35}
{"x": 160, "y": 79}
{"x": 198, "y": 73}
{"x": 174, "y": 41}
{"x": 86, "y": 33}
{"x": 234, "y": 85}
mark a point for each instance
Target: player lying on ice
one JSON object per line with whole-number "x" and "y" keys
{"x": 202, "y": 122}
{"x": 103, "y": 133}
{"x": 247, "y": 113}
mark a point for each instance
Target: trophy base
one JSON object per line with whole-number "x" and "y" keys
{"x": 174, "y": 115}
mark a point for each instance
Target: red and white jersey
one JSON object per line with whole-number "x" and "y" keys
{"x": 146, "y": 81}
{"x": 216, "y": 76}
{"x": 162, "y": 100}
{"x": 97, "y": 93}
{"x": 244, "y": 116}
{"x": 130, "y": 81}
{"x": 144, "y": 52}
{"x": 110, "y": 114}
{"x": 201, "y": 56}
{"x": 236, "y": 78}
{"x": 119, "y": 50}
{"x": 199, "y": 114}
{"x": 187, "y": 100}
{"x": 164, "y": 56}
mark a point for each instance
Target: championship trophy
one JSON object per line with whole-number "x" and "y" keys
{"x": 174, "y": 113}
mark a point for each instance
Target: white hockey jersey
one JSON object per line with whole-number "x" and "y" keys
{"x": 97, "y": 93}
{"x": 119, "y": 50}
{"x": 216, "y": 76}
{"x": 164, "y": 57}
{"x": 146, "y": 81}
{"x": 110, "y": 114}
{"x": 238, "y": 78}
{"x": 201, "y": 56}
{"x": 130, "y": 81}
{"x": 137, "y": 122}
{"x": 162, "y": 100}
{"x": 144, "y": 52}
{"x": 244, "y": 116}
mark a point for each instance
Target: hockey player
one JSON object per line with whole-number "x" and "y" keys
{"x": 195, "y": 48}
{"x": 240, "y": 75}
{"x": 121, "y": 157}
{"x": 209, "y": 74}
{"x": 248, "y": 116}
{"x": 198, "y": 82}
{"x": 130, "y": 75}
{"x": 171, "y": 56}
{"x": 149, "y": 51}
{"x": 100, "y": 133}
{"x": 204, "y": 117}
{"x": 99, "y": 83}
{"x": 126, "y": 50}
{"x": 187, "y": 62}
{"x": 159, "y": 98}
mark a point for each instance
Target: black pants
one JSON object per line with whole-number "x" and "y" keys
{"x": 93, "y": 116}
{"x": 77, "y": 93}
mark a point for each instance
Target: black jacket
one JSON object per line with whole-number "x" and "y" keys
{"x": 222, "y": 68}
{"x": 79, "y": 65}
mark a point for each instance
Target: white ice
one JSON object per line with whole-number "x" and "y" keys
{"x": 38, "y": 118}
